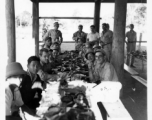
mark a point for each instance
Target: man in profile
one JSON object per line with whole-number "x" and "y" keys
{"x": 131, "y": 42}
{"x": 79, "y": 35}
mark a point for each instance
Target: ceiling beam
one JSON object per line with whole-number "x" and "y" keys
{"x": 80, "y": 1}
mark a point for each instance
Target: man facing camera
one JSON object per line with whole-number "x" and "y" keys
{"x": 93, "y": 37}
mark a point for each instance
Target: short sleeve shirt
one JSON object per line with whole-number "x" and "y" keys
{"x": 105, "y": 72}
{"x": 93, "y": 36}
{"x": 80, "y": 35}
{"x": 107, "y": 37}
{"x": 55, "y": 34}
{"x": 131, "y": 35}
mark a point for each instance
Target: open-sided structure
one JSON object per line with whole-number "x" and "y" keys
{"x": 119, "y": 27}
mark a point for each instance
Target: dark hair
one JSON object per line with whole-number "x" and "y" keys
{"x": 80, "y": 26}
{"x": 104, "y": 24}
{"x": 43, "y": 50}
{"x": 93, "y": 26}
{"x": 132, "y": 25}
{"x": 33, "y": 58}
{"x": 107, "y": 25}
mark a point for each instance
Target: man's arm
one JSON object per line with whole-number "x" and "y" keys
{"x": 74, "y": 37}
{"x": 45, "y": 36}
{"x": 61, "y": 38}
{"x": 126, "y": 36}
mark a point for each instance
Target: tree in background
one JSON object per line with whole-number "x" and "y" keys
{"x": 24, "y": 19}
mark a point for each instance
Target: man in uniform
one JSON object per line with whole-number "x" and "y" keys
{"x": 131, "y": 41}
{"x": 106, "y": 40}
{"x": 79, "y": 35}
{"x": 55, "y": 34}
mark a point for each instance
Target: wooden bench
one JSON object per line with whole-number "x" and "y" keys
{"x": 130, "y": 70}
{"x": 141, "y": 80}
{"x": 116, "y": 111}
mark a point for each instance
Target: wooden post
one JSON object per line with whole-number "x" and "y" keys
{"x": 10, "y": 24}
{"x": 119, "y": 38}
{"x": 35, "y": 27}
{"x": 140, "y": 39}
{"x": 97, "y": 15}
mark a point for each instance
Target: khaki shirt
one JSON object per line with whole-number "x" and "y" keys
{"x": 104, "y": 72}
{"x": 131, "y": 37}
{"x": 81, "y": 35}
{"x": 107, "y": 38}
{"x": 54, "y": 34}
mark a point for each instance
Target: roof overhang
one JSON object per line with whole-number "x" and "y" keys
{"x": 80, "y": 1}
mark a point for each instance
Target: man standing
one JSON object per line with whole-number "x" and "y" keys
{"x": 93, "y": 37}
{"x": 79, "y": 35}
{"x": 131, "y": 41}
{"x": 106, "y": 40}
{"x": 55, "y": 34}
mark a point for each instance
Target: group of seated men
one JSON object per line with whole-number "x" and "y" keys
{"x": 23, "y": 89}
{"x": 94, "y": 38}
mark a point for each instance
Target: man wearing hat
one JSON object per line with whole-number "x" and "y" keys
{"x": 106, "y": 40}
{"x": 131, "y": 41}
{"x": 79, "y": 35}
{"x": 96, "y": 46}
{"x": 90, "y": 58}
{"x": 13, "y": 98}
{"x": 84, "y": 49}
{"x": 103, "y": 70}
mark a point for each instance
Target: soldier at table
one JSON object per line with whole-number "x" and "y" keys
{"x": 79, "y": 35}
{"x": 106, "y": 40}
{"x": 80, "y": 45}
{"x": 102, "y": 70}
{"x": 131, "y": 41}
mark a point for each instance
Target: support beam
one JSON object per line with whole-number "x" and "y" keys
{"x": 10, "y": 24}
{"x": 119, "y": 38}
{"x": 97, "y": 15}
{"x": 35, "y": 27}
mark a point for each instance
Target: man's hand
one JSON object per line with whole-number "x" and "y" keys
{"x": 42, "y": 75}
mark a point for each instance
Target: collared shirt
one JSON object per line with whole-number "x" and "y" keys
{"x": 54, "y": 34}
{"x": 107, "y": 37}
{"x": 131, "y": 35}
{"x": 11, "y": 105}
{"x": 93, "y": 36}
{"x": 81, "y": 35}
{"x": 104, "y": 72}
